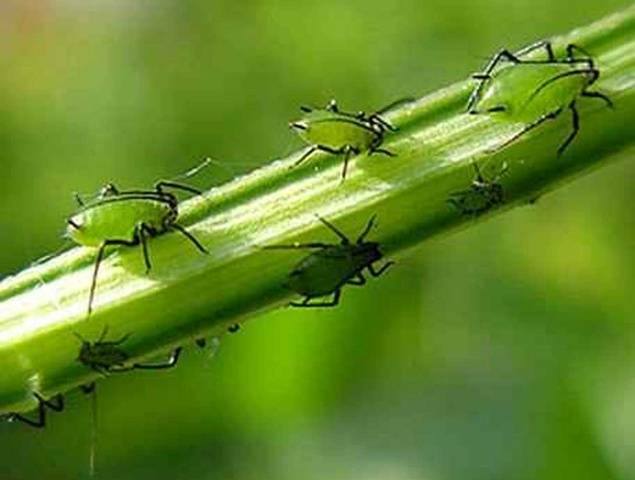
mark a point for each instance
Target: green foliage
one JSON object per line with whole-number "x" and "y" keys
{"x": 512, "y": 337}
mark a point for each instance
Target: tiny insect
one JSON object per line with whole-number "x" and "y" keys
{"x": 331, "y": 266}
{"x": 341, "y": 133}
{"x": 534, "y": 91}
{"x": 56, "y": 404}
{"x": 482, "y": 194}
{"x": 107, "y": 357}
{"x": 128, "y": 218}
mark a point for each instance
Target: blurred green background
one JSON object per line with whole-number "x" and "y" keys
{"x": 501, "y": 352}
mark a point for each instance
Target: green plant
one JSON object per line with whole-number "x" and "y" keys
{"x": 189, "y": 295}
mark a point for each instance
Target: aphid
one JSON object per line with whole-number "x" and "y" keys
{"x": 56, "y": 404}
{"x": 128, "y": 218}
{"x": 233, "y": 328}
{"x": 331, "y": 130}
{"x": 482, "y": 194}
{"x": 107, "y": 357}
{"x": 534, "y": 91}
{"x": 331, "y": 266}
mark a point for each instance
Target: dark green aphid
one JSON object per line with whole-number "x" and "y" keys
{"x": 56, "y": 404}
{"x": 331, "y": 266}
{"x": 128, "y": 218}
{"x": 482, "y": 194}
{"x": 534, "y": 91}
{"x": 341, "y": 133}
{"x": 107, "y": 357}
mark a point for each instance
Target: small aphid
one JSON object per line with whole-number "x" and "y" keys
{"x": 534, "y": 91}
{"x": 341, "y": 133}
{"x": 233, "y": 328}
{"x": 481, "y": 196}
{"x": 128, "y": 218}
{"x": 56, "y": 404}
{"x": 107, "y": 357}
{"x": 331, "y": 266}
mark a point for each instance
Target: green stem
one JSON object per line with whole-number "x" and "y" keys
{"x": 189, "y": 295}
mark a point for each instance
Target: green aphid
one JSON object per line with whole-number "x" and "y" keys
{"x": 534, "y": 91}
{"x": 482, "y": 194}
{"x": 56, "y": 404}
{"x": 341, "y": 133}
{"x": 127, "y": 218}
{"x": 108, "y": 357}
{"x": 331, "y": 266}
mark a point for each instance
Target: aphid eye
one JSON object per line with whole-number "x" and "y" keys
{"x": 298, "y": 125}
{"x": 74, "y": 224}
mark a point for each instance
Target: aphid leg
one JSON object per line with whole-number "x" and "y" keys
{"x": 58, "y": 406}
{"x": 41, "y": 418}
{"x": 305, "y": 155}
{"x": 367, "y": 229}
{"x": 305, "y": 303}
{"x": 143, "y": 233}
{"x": 527, "y": 128}
{"x": 375, "y": 119}
{"x": 317, "y": 245}
{"x": 485, "y": 75}
{"x": 332, "y": 106}
{"x": 384, "y": 267}
{"x": 357, "y": 280}
{"x": 334, "y": 229}
{"x": 599, "y": 95}
{"x": 159, "y": 186}
{"x": 189, "y": 236}
{"x": 88, "y": 388}
{"x": 546, "y": 44}
{"x": 98, "y": 259}
{"x": 388, "y": 153}
{"x": 78, "y": 199}
{"x": 572, "y": 49}
{"x": 306, "y": 109}
{"x": 575, "y": 122}
{"x": 347, "y": 154}
{"x": 174, "y": 358}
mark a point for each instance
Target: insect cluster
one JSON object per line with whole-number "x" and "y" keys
{"x": 519, "y": 89}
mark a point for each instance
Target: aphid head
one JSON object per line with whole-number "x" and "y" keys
{"x": 84, "y": 350}
{"x": 369, "y": 251}
{"x": 74, "y": 223}
{"x": 300, "y": 125}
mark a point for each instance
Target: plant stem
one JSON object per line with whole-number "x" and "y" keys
{"x": 188, "y": 295}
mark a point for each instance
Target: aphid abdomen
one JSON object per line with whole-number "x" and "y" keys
{"x": 339, "y": 132}
{"x": 321, "y": 273}
{"x": 116, "y": 219}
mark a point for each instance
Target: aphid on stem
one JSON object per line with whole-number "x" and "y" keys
{"x": 331, "y": 266}
{"x": 482, "y": 195}
{"x": 129, "y": 218}
{"x": 106, "y": 356}
{"x": 342, "y": 133}
{"x": 534, "y": 91}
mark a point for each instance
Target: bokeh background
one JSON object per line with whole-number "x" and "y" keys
{"x": 504, "y": 351}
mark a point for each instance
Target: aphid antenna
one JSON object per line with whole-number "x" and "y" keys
{"x": 367, "y": 229}
{"x": 81, "y": 339}
{"x": 334, "y": 229}
{"x": 66, "y": 246}
{"x": 390, "y": 106}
